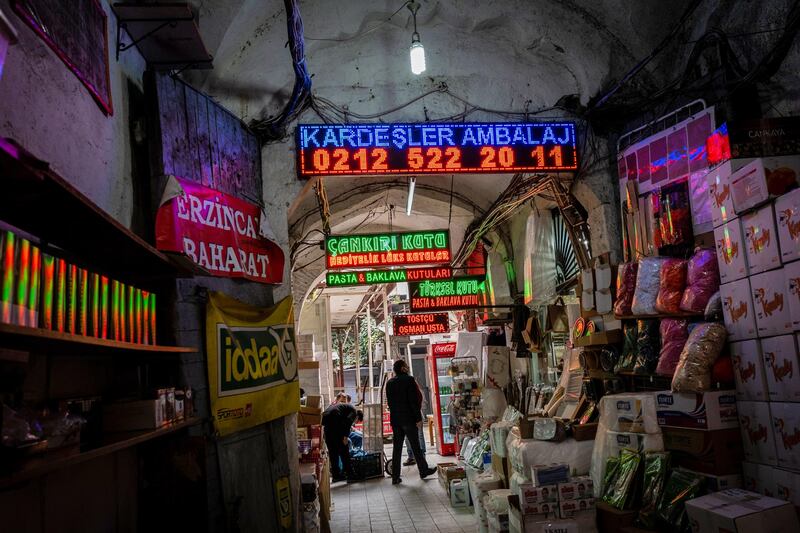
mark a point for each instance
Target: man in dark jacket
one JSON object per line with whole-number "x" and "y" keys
{"x": 405, "y": 409}
{"x": 338, "y": 420}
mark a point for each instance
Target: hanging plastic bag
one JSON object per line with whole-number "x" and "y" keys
{"x": 648, "y": 346}
{"x": 626, "y": 285}
{"x": 672, "y": 283}
{"x": 648, "y": 281}
{"x": 674, "y": 333}
{"x": 705, "y": 343}
{"x": 702, "y": 280}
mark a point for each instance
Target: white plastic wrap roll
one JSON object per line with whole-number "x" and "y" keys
{"x": 499, "y": 435}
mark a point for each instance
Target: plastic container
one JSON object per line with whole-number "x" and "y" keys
{"x": 459, "y": 493}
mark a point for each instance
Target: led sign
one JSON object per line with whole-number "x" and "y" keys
{"x": 387, "y": 249}
{"x": 429, "y": 148}
{"x": 421, "y": 324}
{"x": 373, "y": 277}
{"x": 457, "y": 293}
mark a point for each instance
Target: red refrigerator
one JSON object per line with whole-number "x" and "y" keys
{"x": 439, "y": 357}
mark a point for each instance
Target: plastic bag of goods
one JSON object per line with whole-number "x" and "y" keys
{"x": 702, "y": 280}
{"x": 713, "y": 312}
{"x": 311, "y": 523}
{"x": 479, "y": 486}
{"x": 529, "y": 453}
{"x": 680, "y": 487}
{"x": 674, "y": 332}
{"x": 629, "y": 413}
{"x": 493, "y": 404}
{"x": 516, "y": 480}
{"x": 648, "y": 346}
{"x": 499, "y": 435}
{"x": 626, "y": 285}
{"x": 475, "y": 458}
{"x": 705, "y": 343}
{"x": 648, "y": 281}
{"x": 627, "y": 359}
{"x": 637, "y": 442}
{"x": 496, "y": 500}
{"x": 672, "y": 283}
{"x": 619, "y": 492}
{"x": 656, "y": 466}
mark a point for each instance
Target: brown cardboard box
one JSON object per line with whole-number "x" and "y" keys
{"x": 314, "y": 401}
{"x": 325, "y": 489}
{"x": 449, "y": 472}
{"x": 611, "y": 519}
{"x": 717, "y": 452}
{"x": 500, "y": 466}
{"x": 309, "y": 416}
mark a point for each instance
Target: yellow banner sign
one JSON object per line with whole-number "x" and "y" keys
{"x": 252, "y": 363}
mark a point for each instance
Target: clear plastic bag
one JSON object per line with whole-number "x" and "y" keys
{"x": 656, "y": 465}
{"x": 672, "y": 283}
{"x": 674, "y": 333}
{"x": 648, "y": 281}
{"x": 626, "y": 285}
{"x": 705, "y": 343}
{"x": 702, "y": 280}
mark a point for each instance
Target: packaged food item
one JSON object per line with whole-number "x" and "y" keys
{"x": 626, "y": 285}
{"x": 702, "y": 280}
{"x": 648, "y": 281}
{"x": 671, "y": 286}
{"x": 656, "y": 465}
{"x": 648, "y": 345}
{"x": 674, "y": 333}
{"x": 705, "y": 343}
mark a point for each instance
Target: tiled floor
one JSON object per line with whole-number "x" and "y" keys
{"x": 415, "y": 505}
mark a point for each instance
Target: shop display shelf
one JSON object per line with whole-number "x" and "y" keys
{"x": 38, "y": 201}
{"x": 24, "y": 337}
{"x": 645, "y": 317}
{"x": 114, "y": 442}
{"x": 600, "y": 338}
{"x": 594, "y": 373}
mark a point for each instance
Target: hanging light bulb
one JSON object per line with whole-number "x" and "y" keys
{"x": 417, "y": 51}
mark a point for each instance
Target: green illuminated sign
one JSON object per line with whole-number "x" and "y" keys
{"x": 387, "y": 249}
{"x": 457, "y": 293}
{"x": 374, "y": 277}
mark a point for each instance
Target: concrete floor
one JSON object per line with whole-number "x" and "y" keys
{"x": 414, "y": 505}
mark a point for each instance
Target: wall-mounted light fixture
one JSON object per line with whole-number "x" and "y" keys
{"x": 417, "y": 51}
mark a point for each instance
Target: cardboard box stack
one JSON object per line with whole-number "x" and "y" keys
{"x": 756, "y": 213}
{"x": 553, "y": 497}
{"x": 314, "y": 465}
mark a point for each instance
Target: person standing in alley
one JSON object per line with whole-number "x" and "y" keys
{"x": 405, "y": 411}
{"x": 338, "y": 420}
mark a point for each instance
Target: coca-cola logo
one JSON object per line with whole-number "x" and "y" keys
{"x": 447, "y": 348}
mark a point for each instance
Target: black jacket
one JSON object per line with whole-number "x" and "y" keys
{"x": 338, "y": 419}
{"x": 405, "y": 400}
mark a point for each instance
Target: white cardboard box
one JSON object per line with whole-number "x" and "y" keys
{"x": 709, "y": 410}
{"x": 741, "y": 511}
{"x": 781, "y": 368}
{"x": 791, "y": 272}
{"x": 761, "y": 478}
{"x": 787, "y": 212}
{"x": 576, "y": 488}
{"x": 731, "y": 255}
{"x": 786, "y": 427}
{"x": 787, "y": 485}
{"x": 757, "y": 437}
{"x": 750, "y": 479}
{"x": 640, "y": 442}
{"x": 761, "y": 240}
{"x": 719, "y": 189}
{"x": 737, "y": 310}
{"x": 749, "y": 186}
{"x": 748, "y": 370}
{"x": 771, "y": 303}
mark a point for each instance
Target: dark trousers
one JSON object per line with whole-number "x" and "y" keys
{"x": 401, "y": 433}
{"x": 338, "y": 451}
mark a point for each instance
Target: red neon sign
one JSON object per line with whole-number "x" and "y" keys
{"x": 444, "y": 348}
{"x": 421, "y": 324}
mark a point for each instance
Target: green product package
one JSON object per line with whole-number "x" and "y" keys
{"x": 627, "y": 359}
{"x": 610, "y": 477}
{"x": 680, "y": 487}
{"x": 656, "y": 465}
{"x": 620, "y": 493}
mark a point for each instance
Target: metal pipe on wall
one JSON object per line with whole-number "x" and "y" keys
{"x": 329, "y": 344}
{"x": 387, "y": 353}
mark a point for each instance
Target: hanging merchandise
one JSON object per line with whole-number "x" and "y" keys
{"x": 671, "y": 286}
{"x": 693, "y": 373}
{"x": 556, "y": 317}
{"x": 674, "y": 215}
{"x": 702, "y": 280}
{"x": 674, "y": 332}
{"x": 626, "y": 285}
{"x": 648, "y": 281}
{"x": 648, "y": 345}
{"x": 630, "y": 334}
{"x": 496, "y": 360}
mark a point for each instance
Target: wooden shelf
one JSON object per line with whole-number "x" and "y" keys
{"x": 598, "y": 374}
{"x": 645, "y": 317}
{"x": 40, "y": 202}
{"x": 115, "y": 442}
{"x": 25, "y": 336}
